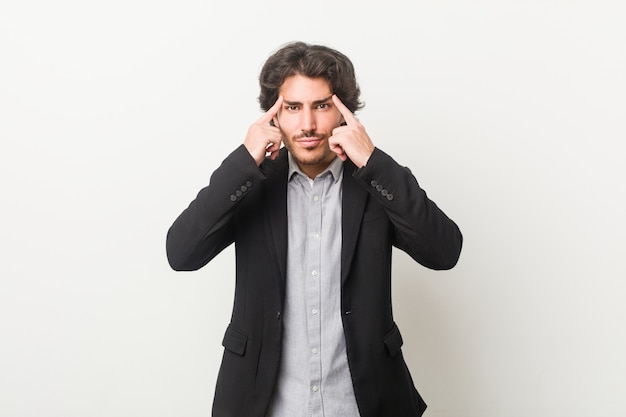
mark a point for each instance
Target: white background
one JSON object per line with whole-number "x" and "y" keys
{"x": 511, "y": 114}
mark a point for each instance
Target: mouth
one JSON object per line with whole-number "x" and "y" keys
{"x": 309, "y": 141}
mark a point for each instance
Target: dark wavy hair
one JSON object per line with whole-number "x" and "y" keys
{"x": 313, "y": 61}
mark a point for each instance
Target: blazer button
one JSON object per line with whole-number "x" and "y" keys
{"x": 238, "y": 193}
{"x": 233, "y": 197}
{"x": 384, "y": 193}
{"x": 389, "y": 197}
{"x": 249, "y": 184}
{"x": 373, "y": 183}
{"x": 244, "y": 188}
{"x": 379, "y": 187}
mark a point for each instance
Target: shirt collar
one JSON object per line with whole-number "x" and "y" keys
{"x": 335, "y": 167}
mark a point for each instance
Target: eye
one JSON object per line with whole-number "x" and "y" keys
{"x": 323, "y": 106}
{"x": 291, "y": 108}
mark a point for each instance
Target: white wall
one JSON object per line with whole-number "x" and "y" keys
{"x": 510, "y": 113}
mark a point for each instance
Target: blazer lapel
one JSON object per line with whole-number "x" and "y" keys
{"x": 354, "y": 198}
{"x": 352, "y": 207}
{"x": 276, "y": 212}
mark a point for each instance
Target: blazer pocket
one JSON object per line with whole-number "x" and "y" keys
{"x": 393, "y": 341}
{"x": 235, "y": 341}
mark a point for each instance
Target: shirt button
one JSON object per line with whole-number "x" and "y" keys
{"x": 316, "y": 235}
{"x": 314, "y": 311}
{"x": 315, "y": 388}
{"x": 314, "y": 351}
{"x": 316, "y": 198}
{"x": 314, "y": 273}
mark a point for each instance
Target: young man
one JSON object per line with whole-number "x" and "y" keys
{"x": 314, "y": 223}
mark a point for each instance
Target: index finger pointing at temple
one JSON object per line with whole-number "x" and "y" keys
{"x": 271, "y": 112}
{"x": 348, "y": 116}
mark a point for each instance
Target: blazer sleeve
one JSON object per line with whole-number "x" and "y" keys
{"x": 204, "y": 228}
{"x": 421, "y": 229}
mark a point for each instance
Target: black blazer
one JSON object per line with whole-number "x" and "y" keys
{"x": 382, "y": 206}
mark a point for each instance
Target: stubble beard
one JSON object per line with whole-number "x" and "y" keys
{"x": 301, "y": 156}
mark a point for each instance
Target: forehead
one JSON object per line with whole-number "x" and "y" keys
{"x": 298, "y": 88}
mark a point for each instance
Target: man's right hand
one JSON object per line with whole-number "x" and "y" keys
{"x": 262, "y": 137}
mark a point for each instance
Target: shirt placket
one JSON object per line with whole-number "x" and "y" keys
{"x": 313, "y": 291}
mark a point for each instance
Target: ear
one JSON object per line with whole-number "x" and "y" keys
{"x": 342, "y": 120}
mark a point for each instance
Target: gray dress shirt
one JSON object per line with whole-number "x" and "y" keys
{"x": 314, "y": 378}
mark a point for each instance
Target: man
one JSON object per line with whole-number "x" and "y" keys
{"x": 313, "y": 222}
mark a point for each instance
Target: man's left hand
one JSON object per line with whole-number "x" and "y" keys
{"x": 350, "y": 141}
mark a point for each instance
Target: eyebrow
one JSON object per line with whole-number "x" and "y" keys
{"x": 316, "y": 102}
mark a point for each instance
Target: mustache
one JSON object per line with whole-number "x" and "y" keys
{"x": 311, "y": 134}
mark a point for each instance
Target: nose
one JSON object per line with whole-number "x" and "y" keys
{"x": 308, "y": 121}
